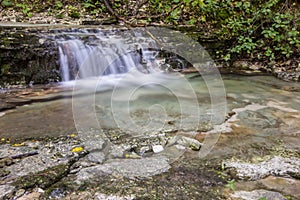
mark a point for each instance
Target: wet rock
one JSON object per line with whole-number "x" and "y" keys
{"x": 283, "y": 185}
{"x": 42, "y": 179}
{"x": 18, "y": 101}
{"x": 105, "y": 21}
{"x": 6, "y": 106}
{"x": 188, "y": 142}
{"x": 25, "y": 59}
{"x": 275, "y": 166}
{"x": 30, "y": 157}
{"x": 94, "y": 143}
{"x": 126, "y": 167}
{"x": 258, "y": 194}
{"x": 261, "y": 119}
{"x": 96, "y": 157}
{"x": 288, "y": 76}
{"x": 204, "y": 127}
{"x": 57, "y": 193}
{"x": 6, "y": 191}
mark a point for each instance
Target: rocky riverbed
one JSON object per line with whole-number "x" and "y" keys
{"x": 257, "y": 155}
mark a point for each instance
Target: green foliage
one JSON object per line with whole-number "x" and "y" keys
{"x": 257, "y": 30}
{"x": 254, "y": 29}
{"x": 59, "y": 16}
{"x": 73, "y": 12}
{"x": 25, "y": 9}
{"x": 94, "y": 7}
{"x": 59, "y": 5}
{"x": 90, "y": 4}
{"x": 231, "y": 184}
{"x": 263, "y": 198}
{"x": 4, "y": 69}
{"x": 221, "y": 171}
{"x": 245, "y": 44}
{"x": 6, "y": 3}
{"x": 255, "y": 26}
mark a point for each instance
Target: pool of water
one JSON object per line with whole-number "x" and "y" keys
{"x": 260, "y": 108}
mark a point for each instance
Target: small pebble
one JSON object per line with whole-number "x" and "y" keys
{"x": 157, "y": 148}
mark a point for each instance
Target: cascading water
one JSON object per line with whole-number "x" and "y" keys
{"x": 93, "y": 53}
{"x": 122, "y": 76}
{"x": 126, "y": 62}
{"x": 99, "y": 53}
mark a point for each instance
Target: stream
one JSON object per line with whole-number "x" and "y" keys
{"x": 140, "y": 128}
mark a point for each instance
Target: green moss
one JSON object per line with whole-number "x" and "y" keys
{"x": 4, "y": 172}
{"x": 6, "y": 3}
{"x": 295, "y": 175}
{"x": 42, "y": 179}
{"x": 4, "y": 70}
{"x": 75, "y": 14}
{"x": 60, "y": 16}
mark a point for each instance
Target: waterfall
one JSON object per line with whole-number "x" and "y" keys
{"x": 91, "y": 54}
{"x": 94, "y": 53}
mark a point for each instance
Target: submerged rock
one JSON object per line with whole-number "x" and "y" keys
{"x": 284, "y": 185}
{"x": 186, "y": 142}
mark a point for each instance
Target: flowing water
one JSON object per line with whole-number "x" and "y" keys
{"x": 120, "y": 79}
{"x": 267, "y": 107}
{"x": 124, "y": 81}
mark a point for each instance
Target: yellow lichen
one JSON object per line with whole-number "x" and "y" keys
{"x": 18, "y": 145}
{"x": 77, "y": 149}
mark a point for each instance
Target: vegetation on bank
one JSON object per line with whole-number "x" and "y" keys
{"x": 255, "y": 30}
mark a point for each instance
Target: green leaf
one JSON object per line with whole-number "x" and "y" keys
{"x": 263, "y": 198}
{"x": 227, "y": 57}
{"x": 231, "y": 184}
{"x": 6, "y": 3}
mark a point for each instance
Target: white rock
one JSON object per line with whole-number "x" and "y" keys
{"x": 40, "y": 190}
{"x": 5, "y": 191}
{"x": 157, "y": 148}
{"x": 180, "y": 147}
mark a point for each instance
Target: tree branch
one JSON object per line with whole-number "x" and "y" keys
{"x": 109, "y": 8}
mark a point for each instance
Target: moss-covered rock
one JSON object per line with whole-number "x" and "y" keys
{"x": 25, "y": 56}
{"x": 42, "y": 179}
